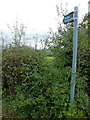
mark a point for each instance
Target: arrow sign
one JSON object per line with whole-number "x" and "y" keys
{"x": 68, "y": 18}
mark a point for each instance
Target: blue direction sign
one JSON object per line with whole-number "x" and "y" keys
{"x": 68, "y": 18}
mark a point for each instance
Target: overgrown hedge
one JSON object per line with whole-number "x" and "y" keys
{"x": 34, "y": 88}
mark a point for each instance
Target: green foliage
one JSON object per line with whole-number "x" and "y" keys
{"x": 20, "y": 65}
{"x": 37, "y": 86}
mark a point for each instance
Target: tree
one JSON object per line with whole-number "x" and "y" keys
{"x": 18, "y": 32}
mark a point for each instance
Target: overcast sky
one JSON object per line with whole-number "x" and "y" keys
{"x": 37, "y": 15}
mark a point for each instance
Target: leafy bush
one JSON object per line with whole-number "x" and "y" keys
{"x": 20, "y": 65}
